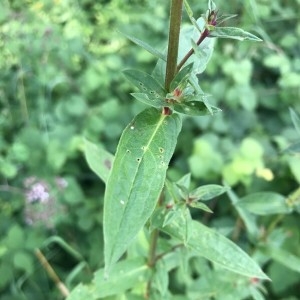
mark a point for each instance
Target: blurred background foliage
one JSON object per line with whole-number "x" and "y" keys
{"x": 61, "y": 80}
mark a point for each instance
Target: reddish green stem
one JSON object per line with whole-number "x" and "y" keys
{"x": 173, "y": 45}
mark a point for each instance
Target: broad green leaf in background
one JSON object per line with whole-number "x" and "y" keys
{"x": 123, "y": 276}
{"x": 265, "y": 203}
{"x": 212, "y": 245}
{"x": 284, "y": 257}
{"x": 137, "y": 178}
{"x": 233, "y": 33}
{"x": 98, "y": 159}
{"x": 148, "y": 86}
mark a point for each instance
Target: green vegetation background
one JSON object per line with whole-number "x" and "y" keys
{"x": 61, "y": 80}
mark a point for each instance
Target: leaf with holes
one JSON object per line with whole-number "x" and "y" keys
{"x": 195, "y": 108}
{"x": 137, "y": 178}
{"x": 152, "y": 92}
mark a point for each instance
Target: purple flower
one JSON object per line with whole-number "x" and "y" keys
{"x": 38, "y": 192}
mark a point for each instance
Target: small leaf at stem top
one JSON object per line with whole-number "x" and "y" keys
{"x": 233, "y": 33}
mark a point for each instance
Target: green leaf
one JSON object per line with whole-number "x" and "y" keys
{"x": 225, "y": 18}
{"x": 185, "y": 180}
{"x": 195, "y": 108}
{"x": 170, "y": 216}
{"x": 265, "y": 203}
{"x": 179, "y": 212}
{"x": 137, "y": 178}
{"x": 183, "y": 191}
{"x": 123, "y": 276}
{"x": 211, "y": 5}
{"x": 201, "y": 206}
{"x": 99, "y": 160}
{"x": 284, "y": 257}
{"x": 293, "y": 148}
{"x": 182, "y": 75}
{"x": 81, "y": 292}
{"x": 160, "y": 279}
{"x": 213, "y": 246}
{"x": 207, "y": 192}
{"x": 293, "y": 199}
{"x": 147, "y": 85}
{"x": 204, "y": 50}
{"x": 172, "y": 192}
{"x": 144, "y": 98}
{"x": 233, "y": 33}
{"x": 295, "y": 119}
{"x": 146, "y": 46}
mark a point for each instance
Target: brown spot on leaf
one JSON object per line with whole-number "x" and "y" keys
{"x": 107, "y": 164}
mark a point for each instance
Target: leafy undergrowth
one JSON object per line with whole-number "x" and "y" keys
{"x": 62, "y": 92}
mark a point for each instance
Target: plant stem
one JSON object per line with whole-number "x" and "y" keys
{"x": 174, "y": 30}
{"x": 204, "y": 34}
{"x": 62, "y": 288}
{"x": 152, "y": 250}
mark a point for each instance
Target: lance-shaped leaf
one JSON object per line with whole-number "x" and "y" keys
{"x": 248, "y": 218}
{"x": 144, "y": 98}
{"x": 200, "y": 205}
{"x": 137, "y": 178}
{"x": 123, "y": 276}
{"x": 207, "y": 192}
{"x": 211, "y": 245}
{"x": 265, "y": 203}
{"x": 195, "y": 108}
{"x": 284, "y": 257}
{"x": 146, "y": 46}
{"x": 233, "y": 33}
{"x": 182, "y": 75}
{"x": 98, "y": 159}
{"x": 149, "y": 87}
